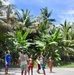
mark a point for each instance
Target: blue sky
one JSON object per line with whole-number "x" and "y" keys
{"x": 61, "y": 9}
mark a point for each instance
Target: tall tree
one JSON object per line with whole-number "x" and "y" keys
{"x": 66, "y": 46}
{"x": 46, "y": 14}
{"x": 65, "y": 28}
{"x": 24, "y": 17}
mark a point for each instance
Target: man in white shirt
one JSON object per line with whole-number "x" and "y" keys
{"x": 23, "y": 61}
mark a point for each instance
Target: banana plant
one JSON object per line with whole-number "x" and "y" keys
{"x": 54, "y": 44}
{"x": 49, "y": 44}
{"x": 20, "y": 40}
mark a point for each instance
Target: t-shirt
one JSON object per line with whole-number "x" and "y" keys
{"x": 23, "y": 59}
{"x": 42, "y": 60}
{"x": 38, "y": 61}
{"x": 7, "y": 59}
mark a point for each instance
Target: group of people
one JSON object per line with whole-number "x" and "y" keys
{"x": 27, "y": 63}
{"x": 41, "y": 61}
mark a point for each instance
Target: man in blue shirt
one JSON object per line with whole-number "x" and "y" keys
{"x": 7, "y": 61}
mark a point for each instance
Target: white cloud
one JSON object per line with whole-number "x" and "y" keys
{"x": 63, "y": 9}
{"x": 67, "y": 15}
{"x": 70, "y": 12}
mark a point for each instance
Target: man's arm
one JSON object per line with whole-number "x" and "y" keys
{"x": 6, "y": 59}
{"x": 19, "y": 61}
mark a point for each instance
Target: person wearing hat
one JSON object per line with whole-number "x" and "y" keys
{"x": 23, "y": 62}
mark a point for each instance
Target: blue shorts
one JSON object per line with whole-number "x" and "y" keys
{"x": 43, "y": 66}
{"x": 7, "y": 65}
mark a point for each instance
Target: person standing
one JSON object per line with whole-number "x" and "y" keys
{"x": 42, "y": 61}
{"x": 7, "y": 61}
{"x": 23, "y": 62}
{"x": 38, "y": 64}
{"x": 50, "y": 64}
{"x": 30, "y": 65}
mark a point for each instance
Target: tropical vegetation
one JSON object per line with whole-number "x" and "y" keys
{"x": 35, "y": 34}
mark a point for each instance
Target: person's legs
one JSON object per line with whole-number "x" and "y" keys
{"x": 38, "y": 68}
{"x": 50, "y": 68}
{"x": 43, "y": 68}
{"x": 25, "y": 72}
{"x": 21, "y": 72}
{"x": 32, "y": 71}
{"x": 28, "y": 70}
{"x": 25, "y": 69}
{"x": 44, "y": 72}
{"x": 6, "y": 69}
{"x": 22, "y": 69}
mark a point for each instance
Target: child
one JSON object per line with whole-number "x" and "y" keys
{"x": 38, "y": 64}
{"x": 42, "y": 62}
{"x": 50, "y": 63}
{"x": 30, "y": 65}
{"x": 7, "y": 61}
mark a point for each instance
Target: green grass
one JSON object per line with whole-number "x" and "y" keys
{"x": 65, "y": 65}
{"x": 68, "y": 65}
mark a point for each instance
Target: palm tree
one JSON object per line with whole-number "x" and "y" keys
{"x": 66, "y": 46}
{"x": 65, "y": 28}
{"x": 45, "y": 14}
{"x": 46, "y": 22}
{"x": 24, "y": 17}
{"x": 71, "y": 32}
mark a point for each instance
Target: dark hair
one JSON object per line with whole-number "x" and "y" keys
{"x": 44, "y": 55}
{"x": 24, "y": 51}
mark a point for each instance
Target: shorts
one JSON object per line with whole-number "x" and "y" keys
{"x": 50, "y": 65}
{"x": 6, "y": 65}
{"x": 24, "y": 67}
{"x": 30, "y": 66}
{"x": 39, "y": 67}
{"x": 43, "y": 66}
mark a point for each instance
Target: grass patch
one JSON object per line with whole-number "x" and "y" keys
{"x": 65, "y": 65}
{"x": 68, "y": 65}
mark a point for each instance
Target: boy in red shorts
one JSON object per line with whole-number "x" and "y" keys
{"x": 30, "y": 65}
{"x": 50, "y": 64}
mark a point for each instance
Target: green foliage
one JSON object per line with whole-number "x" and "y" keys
{"x": 54, "y": 41}
{"x": 20, "y": 41}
